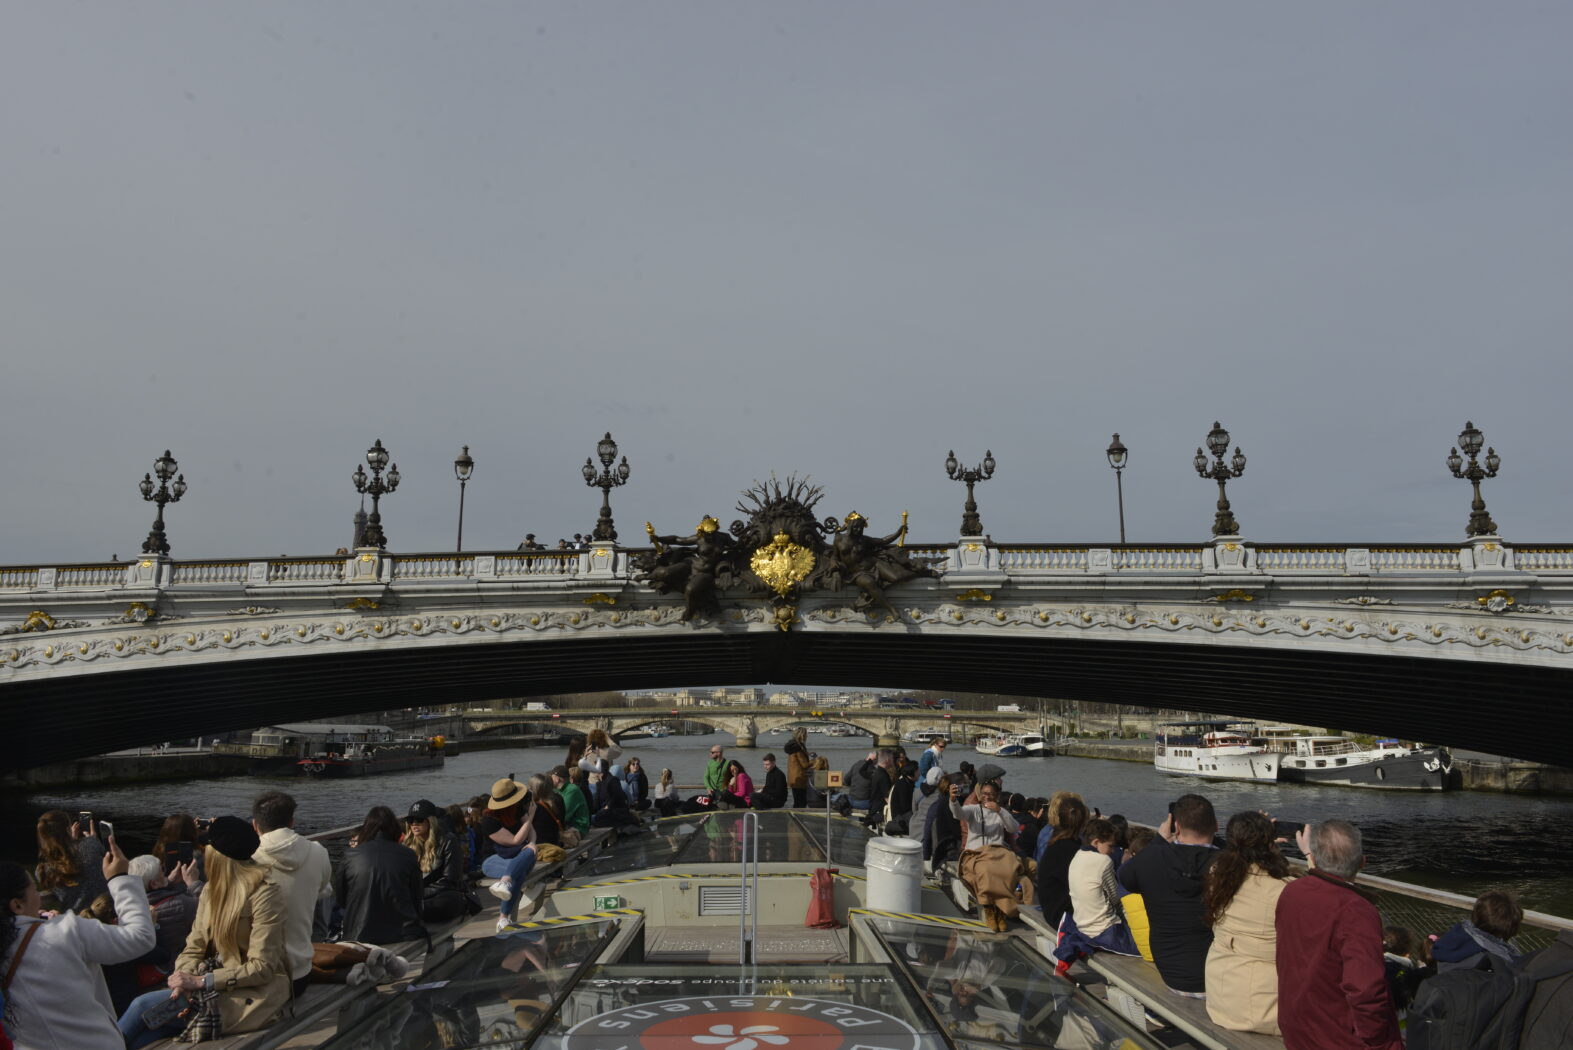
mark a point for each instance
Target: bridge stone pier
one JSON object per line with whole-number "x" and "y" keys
{"x": 1467, "y": 645}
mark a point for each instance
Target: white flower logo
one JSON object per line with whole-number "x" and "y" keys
{"x": 746, "y": 1038}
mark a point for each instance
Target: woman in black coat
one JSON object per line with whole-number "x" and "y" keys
{"x": 379, "y": 884}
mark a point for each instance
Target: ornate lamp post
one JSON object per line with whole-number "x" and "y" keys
{"x": 606, "y": 480}
{"x": 1118, "y": 455}
{"x": 1470, "y": 440}
{"x": 376, "y": 459}
{"x": 463, "y": 467}
{"x": 165, "y": 467}
{"x": 1219, "y": 471}
{"x": 971, "y": 524}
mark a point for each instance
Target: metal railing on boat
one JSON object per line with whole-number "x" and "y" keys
{"x": 748, "y": 907}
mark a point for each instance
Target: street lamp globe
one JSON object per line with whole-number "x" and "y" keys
{"x": 179, "y": 487}
{"x": 950, "y": 463}
{"x": 588, "y": 470}
{"x": 1200, "y": 462}
{"x": 988, "y": 462}
{"x": 1470, "y": 439}
{"x": 464, "y": 465}
{"x": 1218, "y": 440}
{"x": 606, "y": 448}
{"x": 622, "y": 470}
{"x": 165, "y": 466}
{"x": 377, "y": 456}
{"x": 1237, "y": 462}
{"x": 1117, "y": 453}
{"x": 146, "y": 485}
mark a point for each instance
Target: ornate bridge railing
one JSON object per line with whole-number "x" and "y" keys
{"x": 1011, "y": 561}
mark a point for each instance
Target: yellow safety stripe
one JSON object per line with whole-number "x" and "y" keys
{"x": 919, "y": 917}
{"x": 562, "y": 919}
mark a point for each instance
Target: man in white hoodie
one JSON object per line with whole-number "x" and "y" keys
{"x": 302, "y": 867}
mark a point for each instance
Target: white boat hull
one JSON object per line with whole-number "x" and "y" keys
{"x": 1216, "y": 763}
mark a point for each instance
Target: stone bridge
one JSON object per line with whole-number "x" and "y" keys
{"x": 884, "y": 727}
{"x": 1468, "y": 645}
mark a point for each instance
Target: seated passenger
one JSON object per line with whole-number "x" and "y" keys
{"x": 610, "y": 808}
{"x": 523, "y": 826}
{"x": 1131, "y": 903}
{"x": 379, "y": 885}
{"x": 1168, "y": 875}
{"x": 444, "y": 896}
{"x": 1054, "y": 864}
{"x": 664, "y": 795}
{"x": 1240, "y": 896}
{"x": 738, "y": 792}
{"x": 56, "y": 998}
{"x": 232, "y": 975}
{"x": 988, "y": 865}
{"x": 636, "y": 785}
{"x": 1493, "y": 922}
{"x": 774, "y": 794}
{"x": 70, "y": 859}
{"x": 1094, "y": 922}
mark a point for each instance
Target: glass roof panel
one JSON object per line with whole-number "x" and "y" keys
{"x": 992, "y": 991}
{"x": 491, "y": 992}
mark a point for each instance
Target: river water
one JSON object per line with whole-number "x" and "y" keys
{"x": 1461, "y": 841}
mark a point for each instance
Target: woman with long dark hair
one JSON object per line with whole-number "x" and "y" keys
{"x": 57, "y": 999}
{"x": 1239, "y": 900}
{"x": 70, "y": 857}
{"x": 379, "y": 884}
{"x": 797, "y": 766}
{"x": 1054, "y": 888}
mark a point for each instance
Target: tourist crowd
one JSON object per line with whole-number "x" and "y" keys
{"x": 225, "y": 922}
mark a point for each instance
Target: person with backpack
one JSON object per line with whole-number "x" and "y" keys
{"x": 1332, "y": 983}
{"x": 1486, "y": 996}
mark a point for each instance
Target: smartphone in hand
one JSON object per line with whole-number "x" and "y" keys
{"x": 106, "y": 830}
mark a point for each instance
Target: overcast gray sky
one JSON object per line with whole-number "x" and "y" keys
{"x": 837, "y": 239}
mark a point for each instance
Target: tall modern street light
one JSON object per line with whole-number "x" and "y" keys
{"x": 165, "y": 467}
{"x": 1219, "y": 471}
{"x": 971, "y": 524}
{"x": 377, "y": 459}
{"x": 1118, "y": 454}
{"x": 606, "y": 480}
{"x": 1470, "y": 440}
{"x": 463, "y": 467}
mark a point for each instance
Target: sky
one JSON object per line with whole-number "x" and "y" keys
{"x": 832, "y": 239}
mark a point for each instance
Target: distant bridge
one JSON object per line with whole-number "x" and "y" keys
{"x": 1469, "y": 645}
{"x": 884, "y": 727}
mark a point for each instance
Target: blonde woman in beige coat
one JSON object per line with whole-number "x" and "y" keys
{"x": 240, "y": 921}
{"x": 1240, "y": 897}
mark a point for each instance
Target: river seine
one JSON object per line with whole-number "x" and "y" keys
{"x": 1461, "y": 841}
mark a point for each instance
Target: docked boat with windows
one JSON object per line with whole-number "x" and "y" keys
{"x": 1213, "y": 748}
{"x": 1389, "y": 765}
{"x": 377, "y": 751}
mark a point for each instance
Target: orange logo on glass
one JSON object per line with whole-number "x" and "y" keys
{"x": 743, "y": 1022}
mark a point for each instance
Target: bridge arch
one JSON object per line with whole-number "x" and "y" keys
{"x": 1483, "y": 701}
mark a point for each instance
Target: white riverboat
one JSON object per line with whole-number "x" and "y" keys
{"x": 925, "y": 736}
{"x": 1215, "y": 749}
{"x": 1388, "y": 765}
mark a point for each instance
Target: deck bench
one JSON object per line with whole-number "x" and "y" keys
{"x": 1135, "y": 980}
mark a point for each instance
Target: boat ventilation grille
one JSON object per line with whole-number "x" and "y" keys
{"x": 722, "y": 900}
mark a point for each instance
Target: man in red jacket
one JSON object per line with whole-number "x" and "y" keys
{"x": 1332, "y": 986}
